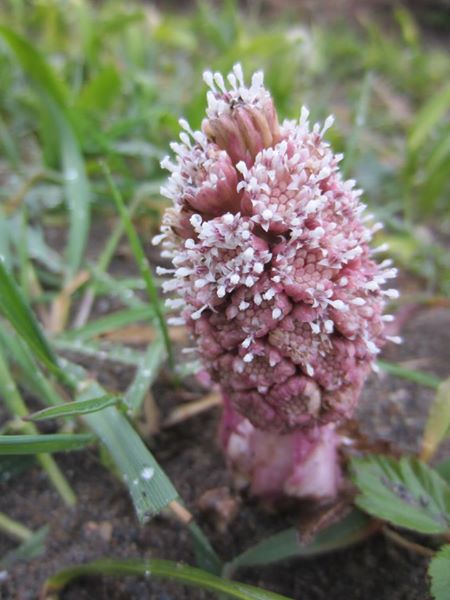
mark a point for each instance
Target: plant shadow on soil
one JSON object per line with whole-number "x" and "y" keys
{"x": 103, "y": 524}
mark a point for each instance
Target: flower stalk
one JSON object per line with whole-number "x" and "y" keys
{"x": 273, "y": 273}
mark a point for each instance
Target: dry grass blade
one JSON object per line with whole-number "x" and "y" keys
{"x": 192, "y": 409}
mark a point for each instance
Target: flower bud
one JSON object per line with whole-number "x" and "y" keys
{"x": 241, "y": 120}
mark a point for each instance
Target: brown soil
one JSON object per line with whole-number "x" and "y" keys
{"x": 104, "y": 525}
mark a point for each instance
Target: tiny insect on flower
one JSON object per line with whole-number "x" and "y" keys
{"x": 272, "y": 268}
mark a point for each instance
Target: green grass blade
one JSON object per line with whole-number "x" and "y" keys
{"x": 172, "y": 571}
{"x": 145, "y": 375}
{"x": 16, "y": 310}
{"x": 150, "y": 488}
{"x": 38, "y": 444}
{"x": 75, "y": 408}
{"x": 417, "y": 376}
{"x": 120, "y": 354}
{"x": 13, "y": 400}
{"x": 141, "y": 261}
{"x": 31, "y": 548}
{"x": 287, "y": 544}
{"x": 437, "y": 427}
{"x": 108, "y": 323}
{"x": 54, "y": 102}
{"x": 31, "y": 377}
{"x": 360, "y": 123}
{"x": 430, "y": 115}
{"x": 14, "y": 529}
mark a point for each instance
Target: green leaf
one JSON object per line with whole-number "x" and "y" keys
{"x": 438, "y": 423}
{"x": 439, "y": 571}
{"x": 417, "y": 376}
{"x": 54, "y": 102}
{"x": 75, "y": 408}
{"x": 287, "y": 543}
{"x": 31, "y": 548}
{"x": 405, "y": 492}
{"x": 37, "y": 444}
{"x": 165, "y": 569}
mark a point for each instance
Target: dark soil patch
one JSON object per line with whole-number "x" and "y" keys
{"x": 103, "y": 523}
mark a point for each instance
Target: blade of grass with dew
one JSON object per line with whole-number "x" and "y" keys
{"x": 165, "y": 569}
{"x": 141, "y": 260}
{"x": 150, "y": 489}
{"x": 287, "y": 544}
{"x": 75, "y": 408}
{"x": 44, "y": 443}
{"x": 15, "y": 404}
{"x": 145, "y": 375}
{"x": 417, "y": 376}
{"x": 53, "y": 97}
{"x": 29, "y": 549}
{"x": 108, "y": 323}
{"x": 116, "y": 426}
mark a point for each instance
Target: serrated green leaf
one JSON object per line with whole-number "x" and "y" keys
{"x": 44, "y": 443}
{"x": 405, "y": 492}
{"x": 165, "y": 569}
{"x": 438, "y": 423}
{"x": 439, "y": 571}
{"x": 75, "y": 408}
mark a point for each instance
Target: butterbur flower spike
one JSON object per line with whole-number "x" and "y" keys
{"x": 275, "y": 278}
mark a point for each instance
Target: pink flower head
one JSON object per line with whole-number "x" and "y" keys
{"x": 302, "y": 464}
{"x": 272, "y": 266}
